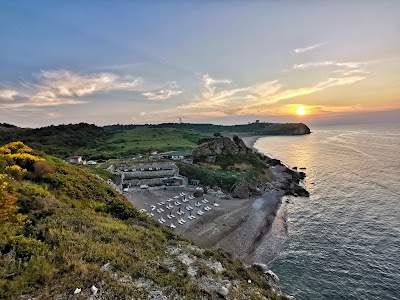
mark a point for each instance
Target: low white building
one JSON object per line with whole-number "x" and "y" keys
{"x": 75, "y": 160}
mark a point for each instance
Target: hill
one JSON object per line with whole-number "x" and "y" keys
{"x": 94, "y": 142}
{"x": 256, "y": 128}
{"x": 62, "y": 228}
{"x": 61, "y": 140}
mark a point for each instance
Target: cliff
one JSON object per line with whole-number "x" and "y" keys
{"x": 229, "y": 154}
{"x": 222, "y": 146}
{"x": 66, "y": 234}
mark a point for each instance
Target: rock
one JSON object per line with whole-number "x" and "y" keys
{"x": 198, "y": 193}
{"x": 106, "y": 267}
{"x": 301, "y": 129}
{"x": 240, "y": 191}
{"x": 215, "y": 266}
{"x": 94, "y": 290}
{"x": 223, "y": 291}
{"x": 269, "y": 276}
{"x": 157, "y": 295}
{"x": 77, "y": 291}
{"x": 222, "y": 146}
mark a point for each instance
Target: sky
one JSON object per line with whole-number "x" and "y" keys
{"x": 224, "y": 62}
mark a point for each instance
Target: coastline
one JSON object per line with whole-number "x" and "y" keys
{"x": 253, "y": 229}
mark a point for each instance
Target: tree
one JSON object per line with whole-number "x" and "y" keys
{"x": 217, "y": 134}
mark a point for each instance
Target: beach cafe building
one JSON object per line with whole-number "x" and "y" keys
{"x": 177, "y": 155}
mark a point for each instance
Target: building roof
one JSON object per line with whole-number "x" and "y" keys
{"x": 74, "y": 157}
{"x": 177, "y": 153}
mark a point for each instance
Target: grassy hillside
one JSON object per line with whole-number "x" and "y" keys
{"x": 62, "y": 228}
{"x": 125, "y": 143}
{"x": 94, "y": 142}
{"x": 61, "y": 141}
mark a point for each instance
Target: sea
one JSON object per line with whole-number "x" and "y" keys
{"x": 344, "y": 241}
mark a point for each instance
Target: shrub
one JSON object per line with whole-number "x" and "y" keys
{"x": 7, "y": 199}
{"x": 41, "y": 168}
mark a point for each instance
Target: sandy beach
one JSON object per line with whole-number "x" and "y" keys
{"x": 253, "y": 229}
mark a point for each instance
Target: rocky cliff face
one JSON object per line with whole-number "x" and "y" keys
{"x": 301, "y": 129}
{"x": 222, "y": 146}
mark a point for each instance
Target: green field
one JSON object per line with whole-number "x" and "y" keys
{"x": 129, "y": 142}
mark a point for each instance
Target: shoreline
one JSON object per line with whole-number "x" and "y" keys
{"x": 253, "y": 229}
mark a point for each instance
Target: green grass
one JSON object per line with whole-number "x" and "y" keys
{"x": 130, "y": 142}
{"x": 143, "y": 140}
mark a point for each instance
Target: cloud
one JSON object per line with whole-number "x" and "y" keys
{"x": 8, "y": 94}
{"x": 70, "y": 84}
{"x": 161, "y": 94}
{"x": 61, "y": 87}
{"x": 309, "y": 48}
{"x": 347, "y": 65}
{"x": 213, "y": 96}
{"x": 256, "y": 98}
{"x": 347, "y": 72}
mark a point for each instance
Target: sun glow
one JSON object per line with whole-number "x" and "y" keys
{"x": 301, "y": 111}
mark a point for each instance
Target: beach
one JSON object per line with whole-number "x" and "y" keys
{"x": 253, "y": 229}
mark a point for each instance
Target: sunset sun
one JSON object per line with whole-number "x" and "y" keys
{"x": 301, "y": 111}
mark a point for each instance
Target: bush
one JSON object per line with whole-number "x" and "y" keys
{"x": 42, "y": 168}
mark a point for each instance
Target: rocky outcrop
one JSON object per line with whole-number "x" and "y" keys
{"x": 301, "y": 129}
{"x": 244, "y": 189}
{"x": 269, "y": 276}
{"x": 222, "y": 146}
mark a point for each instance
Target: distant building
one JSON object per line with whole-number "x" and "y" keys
{"x": 75, "y": 160}
{"x": 153, "y": 152}
{"x": 176, "y": 181}
{"x": 195, "y": 182}
{"x": 177, "y": 155}
{"x": 150, "y": 174}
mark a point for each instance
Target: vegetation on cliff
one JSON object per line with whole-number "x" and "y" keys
{"x": 62, "y": 228}
{"x": 224, "y": 162}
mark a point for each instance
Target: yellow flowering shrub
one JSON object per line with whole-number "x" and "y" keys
{"x": 15, "y": 147}
{"x": 15, "y": 171}
{"x": 7, "y": 200}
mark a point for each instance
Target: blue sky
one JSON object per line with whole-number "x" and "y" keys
{"x": 108, "y": 62}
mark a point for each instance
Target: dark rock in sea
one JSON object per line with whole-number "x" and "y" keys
{"x": 294, "y": 168}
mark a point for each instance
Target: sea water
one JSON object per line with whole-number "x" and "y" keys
{"x": 344, "y": 241}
